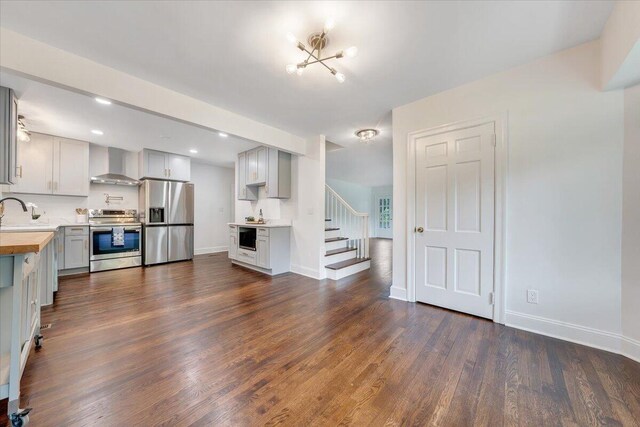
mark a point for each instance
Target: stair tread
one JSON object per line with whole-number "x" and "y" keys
{"x": 347, "y": 263}
{"x": 335, "y": 239}
{"x": 332, "y": 229}
{"x": 339, "y": 251}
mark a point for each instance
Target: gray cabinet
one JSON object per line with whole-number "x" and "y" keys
{"x": 160, "y": 165}
{"x": 233, "y": 242}
{"x": 76, "y": 247}
{"x": 266, "y": 167}
{"x": 52, "y": 165}
{"x": 244, "y": 192}
{"x": 8, "y": 140}
{"x": 262, "y": 252}
{"x": 256, "y": 169}
{"x": 278, "y": 175}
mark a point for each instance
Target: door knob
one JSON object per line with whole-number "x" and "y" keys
{"x": 419, "y": 229}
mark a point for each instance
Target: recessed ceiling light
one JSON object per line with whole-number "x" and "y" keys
{"x": 222, "y": 134}
{"x": 103, "y": 101}
{"x": 194, "y": 151}
{"x": 97, "y": 132}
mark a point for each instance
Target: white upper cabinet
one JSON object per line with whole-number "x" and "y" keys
{"x": 257, "y": 166}
{"x": 245, "y": 192}
{"x": 161, "y": 165}
{"x": 266, "y": 167}
{"x": 68, "y": 178}
{"x": 35, "y": 165}
{"x": 278, "y": 175}
{"x": 52, "y": 165}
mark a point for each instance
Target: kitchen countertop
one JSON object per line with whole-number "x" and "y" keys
{"x": 24, "y": 242}
{"x": 38, "y": 227}
{"x": 267, "y": 225}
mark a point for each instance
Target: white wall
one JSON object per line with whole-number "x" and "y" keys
{"x": 61, "y": 209}
{"x": 304, "y": 210}
{"x": 631, "y": 221}
{"x": 214, "y": 207}
{"x": 564, "y": 184}
{"x": 620, "y": 54}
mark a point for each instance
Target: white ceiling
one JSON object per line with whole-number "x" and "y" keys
{"x": 233, "y": 54}
{"x": 56, "y": 111}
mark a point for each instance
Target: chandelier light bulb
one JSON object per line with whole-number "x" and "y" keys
{"x": 291, "y": 68}
{"x": 300, "y": 70}
{"x": 329, "y": 25}
{"x": 351, "y": 52}
{"x": 292, "y": 39}
{"x": 340, "y": 77}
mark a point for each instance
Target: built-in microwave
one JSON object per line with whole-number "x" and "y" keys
{"x": 247, "y": 238}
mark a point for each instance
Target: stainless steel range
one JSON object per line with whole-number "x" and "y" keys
{"x": 114, "y": 236}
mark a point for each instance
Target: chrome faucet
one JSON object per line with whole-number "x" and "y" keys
{"x": 24, "y": 207}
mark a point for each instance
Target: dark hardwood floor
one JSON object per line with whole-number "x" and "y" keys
{"x": 207, "y": 343}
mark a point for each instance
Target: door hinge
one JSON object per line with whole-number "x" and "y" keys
{"x": 492, "y": 299}
{"x": 493, "y": 140}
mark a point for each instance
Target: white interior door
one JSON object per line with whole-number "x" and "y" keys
{"x": 454, "y": 236}
{"x": 384, "y": 217}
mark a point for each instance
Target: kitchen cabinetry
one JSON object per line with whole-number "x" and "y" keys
{"x": 160, "y": 165}
{"x": 272, "y": 254}
{"x": 22, "y": 276}
{"x": 278, "y": 175}
{"x": 76, "y": 247}
{"x": 244, "y": 192}
{"x": 8, "y": 140}
{"x": 266, "y": 167}
{"x": 233, "y": 242}
{"x": 256, "y": 170}
{"x": 52, "y": 165}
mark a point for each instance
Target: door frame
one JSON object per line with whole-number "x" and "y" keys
{"x": 500, "y": 202}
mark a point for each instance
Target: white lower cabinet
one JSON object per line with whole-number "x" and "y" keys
{"x": 262, "y": 252}
{"x": 233, "y": 241}
{"x": 76, "y": 247}
{"x": 272, "y": 254}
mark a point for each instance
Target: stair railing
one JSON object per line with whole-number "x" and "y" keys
{"x": 353, "y": 225}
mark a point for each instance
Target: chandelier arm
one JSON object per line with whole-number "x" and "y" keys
{"x": 323, "y": 59}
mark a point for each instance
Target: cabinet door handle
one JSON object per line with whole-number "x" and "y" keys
{"x": 19, "y": 174}
{"x": 169, "y": 173}
{"x": 266, "y": 189}
{"x": 86, "y": 244}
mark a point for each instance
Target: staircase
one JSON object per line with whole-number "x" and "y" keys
{"x": 346, "y": 235}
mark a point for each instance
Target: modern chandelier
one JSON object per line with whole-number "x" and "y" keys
{"x": 318, "y": 42}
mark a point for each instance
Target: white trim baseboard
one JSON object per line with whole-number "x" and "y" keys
{"x": 211, "y": 250}
{"x": 584, "y": 335}
{"x": 630, "y": 348}
{"x": 398, "y": 293}
{"x": 306, "y": 271}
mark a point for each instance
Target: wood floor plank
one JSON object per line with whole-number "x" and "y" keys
{"x": 209, "y": 343}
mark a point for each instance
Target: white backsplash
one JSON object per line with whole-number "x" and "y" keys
{"x": 62, "y": 209}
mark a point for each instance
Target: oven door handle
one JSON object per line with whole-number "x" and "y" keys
{"x": 130, "y": 228}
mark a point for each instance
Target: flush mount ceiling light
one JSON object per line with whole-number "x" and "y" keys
{"x": 102, "y": 101}
{"x": 22, "y": 133}
{"x": 97, "y": 132}
{"x": 194, "y": 151}
{"x": 318, "y": 42}
{"x": 367, "y": 135}
{"x": 222, "y": 134}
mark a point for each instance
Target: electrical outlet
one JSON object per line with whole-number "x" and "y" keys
{"x": 532, "y": 296}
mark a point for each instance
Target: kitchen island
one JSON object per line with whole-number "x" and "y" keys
{"x": 25, "y": 258}
{"x": 261, "y": 247}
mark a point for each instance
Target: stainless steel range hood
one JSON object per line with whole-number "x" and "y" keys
{"x": 116, "y": 169}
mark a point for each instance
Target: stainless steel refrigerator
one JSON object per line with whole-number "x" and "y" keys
{"x": 166, "y": 212}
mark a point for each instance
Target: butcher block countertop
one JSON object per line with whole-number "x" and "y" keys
{"x": 24, "y": 242}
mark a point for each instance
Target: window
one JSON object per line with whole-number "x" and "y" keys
{"x": 384, "y": 213}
